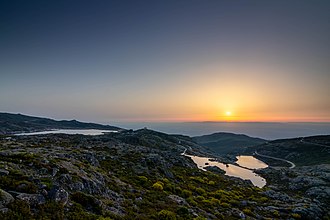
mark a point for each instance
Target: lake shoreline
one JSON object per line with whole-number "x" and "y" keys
{"x": 230, "y": 169}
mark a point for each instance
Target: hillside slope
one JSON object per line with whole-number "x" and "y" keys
{"x": 305, "y": 151}
{"x": 130, "y": 175}
{"x": 224, "y": 143}
{"x": 18, "y": 123}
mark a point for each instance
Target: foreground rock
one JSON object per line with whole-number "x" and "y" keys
{"x": 5, "y": 198}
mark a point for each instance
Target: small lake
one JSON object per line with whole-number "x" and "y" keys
{"x": 70, "y": 131}
{"x": 250, "y": 162}
{"x": 233, "y": 170}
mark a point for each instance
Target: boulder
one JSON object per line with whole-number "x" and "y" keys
{"x": 238, "y": 214}
{"x": 58, "y": 195}
{"x": 179, "y": 200}
{"x": 4, "y": 172}
{"x": 4, "y": 210}
{"x": 5, "y": 198}
{"x": 32, "y": 199}
{"x": 77, "y": 186}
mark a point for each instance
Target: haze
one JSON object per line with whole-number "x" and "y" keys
{"x": 129, "y": 61}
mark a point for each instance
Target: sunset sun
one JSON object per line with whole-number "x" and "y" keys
{"x": 228, "y": 113}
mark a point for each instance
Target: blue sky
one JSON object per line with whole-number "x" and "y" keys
{"x": 166, "y": 60}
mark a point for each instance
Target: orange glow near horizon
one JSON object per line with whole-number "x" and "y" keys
{"x": 234, "y": 116}
{"x": 231, "y": 118}
{"x": 224, "y": 93}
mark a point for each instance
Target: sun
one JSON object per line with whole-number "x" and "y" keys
{"x": 228, "y": 113}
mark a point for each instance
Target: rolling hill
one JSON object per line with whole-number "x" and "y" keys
{"x": 224, "y": 143}
{"x": 304, "y": 151}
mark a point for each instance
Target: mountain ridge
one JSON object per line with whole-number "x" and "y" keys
{"x": 19, "y": 123}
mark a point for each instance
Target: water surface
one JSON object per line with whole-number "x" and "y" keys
{"x": 230, "y": 169}
{"x": 250, "y": 162}
{"x": 70, "y": 131}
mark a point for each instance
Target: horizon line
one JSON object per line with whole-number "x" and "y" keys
{"x": 169, "y": 120}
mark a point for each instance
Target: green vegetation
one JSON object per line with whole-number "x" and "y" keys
{"x": 87, "y": 201}
{"x": 302, "y": 152}
{"x": 116, "y": 180}
{"x": 158, "y": 186}
{"x": 166, "y": 215}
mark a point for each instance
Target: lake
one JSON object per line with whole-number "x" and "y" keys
{"x": 250, "y": 162}
{"x": 70, "y": 131}
{"x": 233, "y": 170}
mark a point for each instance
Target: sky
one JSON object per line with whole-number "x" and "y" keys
{"x": 157, "y": 61}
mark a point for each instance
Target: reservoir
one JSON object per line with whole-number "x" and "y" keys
{"x": 250, "y": 162}
{"x": 233, "y": 170}
{"x": 70, "y": 131}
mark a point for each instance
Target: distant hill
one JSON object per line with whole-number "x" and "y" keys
{"x": 304, "y": 151}
{"x": 17, "y": 123}
{"x": 224, "y": 143}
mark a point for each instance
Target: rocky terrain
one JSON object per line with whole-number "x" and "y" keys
{"x": 18, "y": 123}
{"x": 309, "y": 182}
{"x": 310, "y": 178}
{"x": 142, "y": 175}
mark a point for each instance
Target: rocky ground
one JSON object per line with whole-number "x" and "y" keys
{"x": 307, "y": 186}
{"x": 142, "y": 175}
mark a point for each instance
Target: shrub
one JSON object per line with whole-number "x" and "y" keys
{"x": 247, "y": 211}
{"x": 169, "y": 187}
{"x": 263, "y": 199}
{"x": 197, "y": 179}
{"x": 143, "y": 180}
{"x": 87, "y": 201}
{"x": 158, "y": 186}
{"x": 234, "y": 202}
{"x": 207, "y": 202}
{"x": 212, "y": 183}
{"x": 17, "y": 210}
{"x": 200, "y": 198}
{"x": 191, "y": 187}
{"x": 178, "y": 190}
{"x": 215, "y": 201}
{"x": 186, "y": 193}
{"x": 191, "y": 201}
{"x": 76, "y": 212}
{"x": 165, "y": 180}
{"x": 220, "y": 194}
{"x": 296, "y": 215}
{"x": 200, "y": 191}
{"x": 182, "y": 211}
{"x": 200, "y": 218}
{"x": 225, "y": 205}
{"x": 51, "y": 210}
{"x": 276, "y": 213}
{"x": 166, "y": 215}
